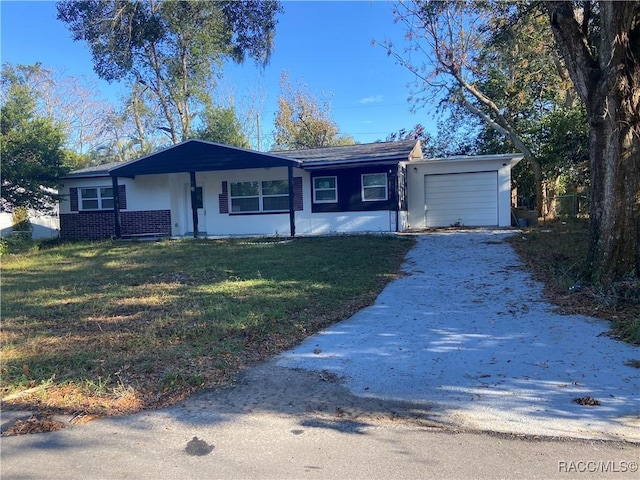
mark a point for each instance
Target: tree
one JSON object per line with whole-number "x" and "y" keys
{"x": 492, "y": 59}
{"x": 171, "y": 47}
{"x": 600, "y": 44}
{"x": 31, "y": 148}
{"x": 303, "y": 122}
{"x": 222, "y": 126}
{"x": 71, "y": 102}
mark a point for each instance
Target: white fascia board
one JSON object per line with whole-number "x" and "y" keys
{"x": 510, "y": 158}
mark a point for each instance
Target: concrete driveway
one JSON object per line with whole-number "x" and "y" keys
{"x": 468, "y": 335}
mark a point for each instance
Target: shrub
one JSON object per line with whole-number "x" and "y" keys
{"x": 21, "y": 221}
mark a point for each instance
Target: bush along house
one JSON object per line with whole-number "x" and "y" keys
{"x": 199, "y": 189}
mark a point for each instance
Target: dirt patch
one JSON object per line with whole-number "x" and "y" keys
{"x": 319, "y": 396}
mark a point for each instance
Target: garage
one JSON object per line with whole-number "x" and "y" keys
{"x": 461, "y": 199}
{"x": 466, "y": 191}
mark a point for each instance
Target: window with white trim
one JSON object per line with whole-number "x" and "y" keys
{"x": 275, "y": 195}
{"x": 95, "y": 198}
{"x": 265, "y": 196}
{"x": 325, "y": 190}
{"x": 374, "y": 187}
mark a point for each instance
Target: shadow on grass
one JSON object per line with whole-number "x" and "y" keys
{"x": 167, "y": 318}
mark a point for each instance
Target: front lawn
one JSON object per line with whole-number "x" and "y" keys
{"x": 109, "y": 328}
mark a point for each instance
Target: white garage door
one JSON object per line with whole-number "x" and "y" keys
{"x": 468, "y": 199}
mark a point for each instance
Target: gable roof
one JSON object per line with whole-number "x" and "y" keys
{"x": 189, "y": 156}
{"x": 370, "y": 153}
{"x": 199, "y": 156}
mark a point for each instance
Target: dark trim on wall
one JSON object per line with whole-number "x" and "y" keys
{"x": 122, "y": 196}
{"x": 223, "y": 198}
{"x": 349, "y": 183}
{"x": 194, "y": 203}
{"x": 73, "y": 199}
{"x": 298, "y": 197}
{"x": 116, "y": 208}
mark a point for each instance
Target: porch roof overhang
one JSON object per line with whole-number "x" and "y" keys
{"x": 199, "y": 156}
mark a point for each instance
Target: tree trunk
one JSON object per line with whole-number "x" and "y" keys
{"x": 609, "y": 84}
{"x": 614, "y": 242}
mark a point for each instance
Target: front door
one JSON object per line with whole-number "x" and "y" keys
{"x": 202, "y": 213}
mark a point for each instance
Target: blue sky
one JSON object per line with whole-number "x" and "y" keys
{"x": 325, "y": 45}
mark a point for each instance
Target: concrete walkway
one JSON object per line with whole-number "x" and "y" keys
{"x": 468, "y": 333}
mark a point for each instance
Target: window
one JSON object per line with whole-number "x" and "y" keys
{"x": 325, "y": 190}
{"x": 266, "y": 196}
{"x": 245, "y": 197}
{"x": 275, "y": 195}
{"x": 374, "y": 187}
{"x": 96, "y": 198}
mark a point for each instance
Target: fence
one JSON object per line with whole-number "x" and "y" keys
{"x": 571, "y": 205}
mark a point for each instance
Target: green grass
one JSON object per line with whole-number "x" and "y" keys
{"x": 111, "y": 327}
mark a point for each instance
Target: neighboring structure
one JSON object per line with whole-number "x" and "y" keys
{"x": 45, "y": 224}
{"x": 199, "y": 188}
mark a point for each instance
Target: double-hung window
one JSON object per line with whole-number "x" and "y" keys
{"x": 275, "y": 195}
{"x": 325, "y": 190}
{"x": 374, "y": 187}
{"x": 265, "y": 196}
{"x": 96, "y": 198}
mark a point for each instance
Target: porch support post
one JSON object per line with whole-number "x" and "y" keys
{"x": 116, "y": 207}
{"x": 292, "y": 212}
{"x": 194, "y": 205}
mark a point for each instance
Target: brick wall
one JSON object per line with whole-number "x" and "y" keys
{"x": 150, "y": 221}
{"x": 101, "y": 225}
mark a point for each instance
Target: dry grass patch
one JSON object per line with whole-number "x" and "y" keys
{"x": 555, "y": 252}
{"x": 98, "y": 329}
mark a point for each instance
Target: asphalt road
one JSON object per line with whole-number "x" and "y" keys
{"x": 261, "y": 445}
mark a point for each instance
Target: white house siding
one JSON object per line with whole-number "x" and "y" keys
{"x": 344, "y": 222}
{"x": 484, "y": 168}
{"x": 215, "y": 223}
{"x": 147, "y": 192}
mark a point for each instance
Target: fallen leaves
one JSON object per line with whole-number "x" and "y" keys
{"x": 587, "y": 401}
{"x": 33, "y": 424}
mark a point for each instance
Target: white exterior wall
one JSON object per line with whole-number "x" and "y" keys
{"x": 147, "y": 192}
{"x": 65, "y": 203}
{"x": 172, "y": 192}
{"x": 344, "y": 222}
{"x": 417, "y": 170}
